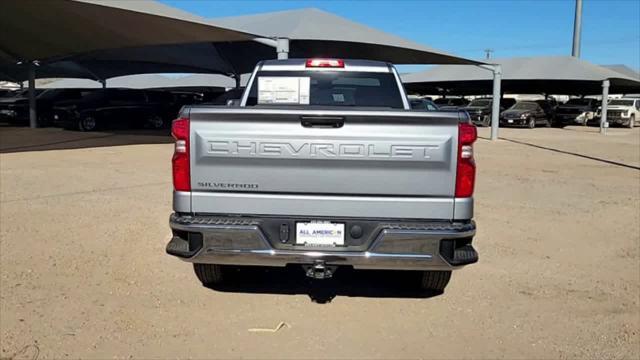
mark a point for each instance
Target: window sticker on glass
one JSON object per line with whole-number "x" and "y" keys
{"x": 283, "y": 90}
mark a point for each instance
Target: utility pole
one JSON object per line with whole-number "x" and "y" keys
{"x": 488, "y": 53}
{"x": 577, "y": 30}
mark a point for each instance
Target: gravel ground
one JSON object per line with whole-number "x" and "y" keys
{"x": 83, "y": 272}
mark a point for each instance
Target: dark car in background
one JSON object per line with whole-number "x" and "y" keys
{"x": 7, "y": 92}
{"x": 479, "y": 110}
{"x": 182, "y": 98}
{"x": 451, "y": 103}
{"x": 549, "y": 107}
{"x": 14, "y": 108}
{"x": 576, "y": 111}
{"x": 117, "y": 108}
{"x": 164, "y": 106}
{"x": 228, "y": 98}
{"x": 524, "y": 113}
{"x": 422, "y": 104}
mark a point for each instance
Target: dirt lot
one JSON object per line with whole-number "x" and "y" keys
{"x": 83, "y": 272}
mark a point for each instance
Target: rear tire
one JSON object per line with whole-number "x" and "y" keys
{"x": 435, "y": 280}
{"x": 87, "y": 123}
{"x": 632, "y": 121}
{"x": 486, "y": 121}
{"x": 532, "y": 123}
{"x": 155, "y": 122}
{"x": 209, "y": 274}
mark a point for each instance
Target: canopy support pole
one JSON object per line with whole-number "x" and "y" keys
{"x": 497, "y": 97}
{"x": 280, "y": 44}
{"x": 282, "y": 48}
{"x": 33, "y": 116}
{"x": 236, "y": 77}
{"x": 495, "y": 105}
{"x": 603, "y": 117}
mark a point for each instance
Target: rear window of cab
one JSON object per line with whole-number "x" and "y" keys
{"x": 325, "y": 88}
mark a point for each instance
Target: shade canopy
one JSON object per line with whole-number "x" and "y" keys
{"x": 624, "y": 70}
{"x": 528, "y": 75}
{"x": 44, "y": 30}
{"x": 102, "y": 46}
{"x": 149, "y": 81}
{"x": 316, "y": 33}
{"x": 217, "y": 58}
{"x": 93, "y": 39}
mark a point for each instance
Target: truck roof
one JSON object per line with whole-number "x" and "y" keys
{"x": 301, "y": 64}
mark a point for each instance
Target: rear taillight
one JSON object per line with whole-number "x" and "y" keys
{"x": 180, "y": 160}
{"x": 466, "y": 170}
{"x": 334, "y": 63}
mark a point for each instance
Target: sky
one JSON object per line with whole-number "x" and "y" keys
{"x": 610, "y": 28}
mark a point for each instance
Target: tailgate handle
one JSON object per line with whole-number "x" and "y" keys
{"x": 322, "y": 121}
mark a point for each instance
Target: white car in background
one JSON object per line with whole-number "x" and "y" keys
{"x": 625, "y": 111}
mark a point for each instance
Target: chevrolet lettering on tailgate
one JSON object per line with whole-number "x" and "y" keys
{"x": 319, "y": 150}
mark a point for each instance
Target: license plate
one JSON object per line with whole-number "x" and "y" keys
{"x": 319, "y": 234}
{"x": 510, "y": 121}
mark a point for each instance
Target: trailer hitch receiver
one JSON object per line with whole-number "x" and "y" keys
{"x": 319, "y": 270}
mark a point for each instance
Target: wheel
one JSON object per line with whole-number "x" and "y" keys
{"x": 435, "y": 280}
{"x": 87, "y": 123}
{"x": 209, "y": 274}
{"x": 632, "y": 121}
{"x": 155, "y": 121}
{"x": 532, "y": 123}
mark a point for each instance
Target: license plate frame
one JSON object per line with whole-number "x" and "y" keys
{"x": 320, "y": 233}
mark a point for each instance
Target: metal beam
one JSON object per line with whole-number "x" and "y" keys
{"x": 603, "y": 113}
{"x": 577, "y": 29}
{"x": 33, "y": 116}
{"x": 266, "y": 41}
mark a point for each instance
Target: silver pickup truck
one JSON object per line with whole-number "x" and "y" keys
{"x": 323, "y": 164}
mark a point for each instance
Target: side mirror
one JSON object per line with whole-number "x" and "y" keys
{"x": 233, "y": 102}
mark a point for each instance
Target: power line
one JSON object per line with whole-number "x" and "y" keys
{"x": 558, "y": 45}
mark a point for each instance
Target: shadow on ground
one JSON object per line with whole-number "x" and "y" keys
{"x": 345, "y": 282}
{"x": 20, "y": 139}
{"x": 531, "y": 143}
{"x": 605, "y": 161}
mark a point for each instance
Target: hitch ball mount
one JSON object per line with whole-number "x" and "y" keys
{"x": 319, "y": 270}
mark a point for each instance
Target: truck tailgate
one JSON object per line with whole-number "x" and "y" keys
{"x": 380, "y": 157}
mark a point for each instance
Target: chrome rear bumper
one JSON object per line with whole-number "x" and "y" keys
{"x": 392, "y": 246}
